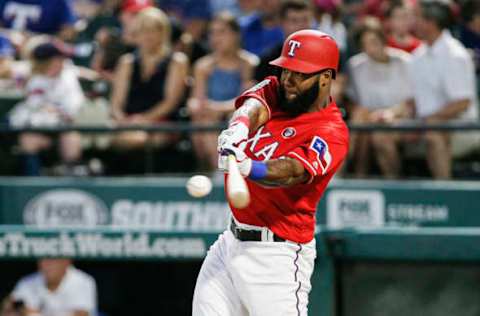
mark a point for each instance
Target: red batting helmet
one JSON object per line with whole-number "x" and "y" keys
{"x": 308, "y": 51}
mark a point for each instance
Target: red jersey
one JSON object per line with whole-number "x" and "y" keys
{"x": 319, "y": 140}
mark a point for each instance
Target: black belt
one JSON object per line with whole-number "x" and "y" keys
{"x": 250, "y": 235}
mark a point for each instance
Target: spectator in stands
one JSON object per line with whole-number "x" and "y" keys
{"x": 262, "y": 30}
{"x": 378, "y": 81}
{"x": 399, "y": 20}
{"x": 57, "y": 289}
{"x": 53, "y": 97}
{"x": 295, "y": 15}
{"x": 443, "y": 80}
{"x": 218, "y": 79}
{"x": 54, "y": 17}
{"x": 150, "y": 83}
{"x": 128, "y": 11}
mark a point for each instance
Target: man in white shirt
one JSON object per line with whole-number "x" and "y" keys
{"x": 379, "y": 80}
{"x": 57, "y": 289}
{"x": 443, "y": 82}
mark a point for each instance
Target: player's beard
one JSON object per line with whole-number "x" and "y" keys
{"x": 301, "y": 103}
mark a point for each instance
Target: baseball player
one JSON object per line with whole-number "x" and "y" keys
{"x": 289, "y": 139}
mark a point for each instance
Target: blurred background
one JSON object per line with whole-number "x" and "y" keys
{"x": 107, "y": 107}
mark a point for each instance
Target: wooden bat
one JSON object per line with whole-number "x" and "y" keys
{"x": 237, "y": 190}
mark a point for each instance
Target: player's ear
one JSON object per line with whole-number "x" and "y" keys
{"x": 326, "y": 78}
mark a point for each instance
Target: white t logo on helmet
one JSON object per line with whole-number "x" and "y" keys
{"x": 293, "y": 46}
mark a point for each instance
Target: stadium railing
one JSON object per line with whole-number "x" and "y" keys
{"x": 188, "y": 127}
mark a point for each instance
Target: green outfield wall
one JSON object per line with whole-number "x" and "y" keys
{"x": 384, "y": 248}
{"x": 163, "y": 204}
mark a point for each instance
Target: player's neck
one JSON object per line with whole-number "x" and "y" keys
{"x": 321, "y": 103}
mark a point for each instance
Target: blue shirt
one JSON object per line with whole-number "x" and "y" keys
{"x": 6, "y": 48}
{"x": 256, "y": 38}
{"x": 39, "y": 16}
{"x": 224, "y": 85}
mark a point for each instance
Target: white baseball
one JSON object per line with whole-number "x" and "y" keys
{"x": 199, "y": 186}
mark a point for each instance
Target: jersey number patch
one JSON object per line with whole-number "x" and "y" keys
{"x": 324, "y": 158}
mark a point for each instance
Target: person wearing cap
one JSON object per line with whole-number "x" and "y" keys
{"x": 288, "y": 138}
{"x": 53, "y": 98}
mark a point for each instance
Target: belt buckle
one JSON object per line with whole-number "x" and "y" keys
{"x": 267, "y": 234}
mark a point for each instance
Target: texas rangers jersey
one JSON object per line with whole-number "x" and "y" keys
{"x": 319, "y": 140}
{"x": 39, "y": 16}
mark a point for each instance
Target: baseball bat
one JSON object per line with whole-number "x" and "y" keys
{"x": 237, "y": 190}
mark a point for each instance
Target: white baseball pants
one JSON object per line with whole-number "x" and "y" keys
{"x": 254, "y": 278}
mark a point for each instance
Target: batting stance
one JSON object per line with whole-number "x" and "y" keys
{"x": 289, "y": 139}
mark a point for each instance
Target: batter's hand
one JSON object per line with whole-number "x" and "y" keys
{"x": 233, "y": 141}
{"x": 235, "y": 135}
{"x": 244, "y": 163}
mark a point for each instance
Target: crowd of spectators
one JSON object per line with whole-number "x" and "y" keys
{"x": 144, "y": 62}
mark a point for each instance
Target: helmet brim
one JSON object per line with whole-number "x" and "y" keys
{"x": 295, "y": 65}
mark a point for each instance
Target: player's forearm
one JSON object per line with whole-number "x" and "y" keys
{"x": 256, "y": 113}
{"x": 284, "y": 172}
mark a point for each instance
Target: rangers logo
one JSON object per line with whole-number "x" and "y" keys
{"x": 293, "y": 46}
{"x": 324, "y": 157}
{"x": 288, "y": 132}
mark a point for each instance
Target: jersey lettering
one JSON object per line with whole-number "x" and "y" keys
{"x": 324, "y": 158}
{"x": 293, "y": 46}
{"x": 21, "y": 14}
{"x": 254, "y": 141}
{"x": 267, "y": 152}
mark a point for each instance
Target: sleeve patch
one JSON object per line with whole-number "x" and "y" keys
{"x": 324, "y": 158}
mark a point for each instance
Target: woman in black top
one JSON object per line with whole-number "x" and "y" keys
{"x": 150, "y": 83}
